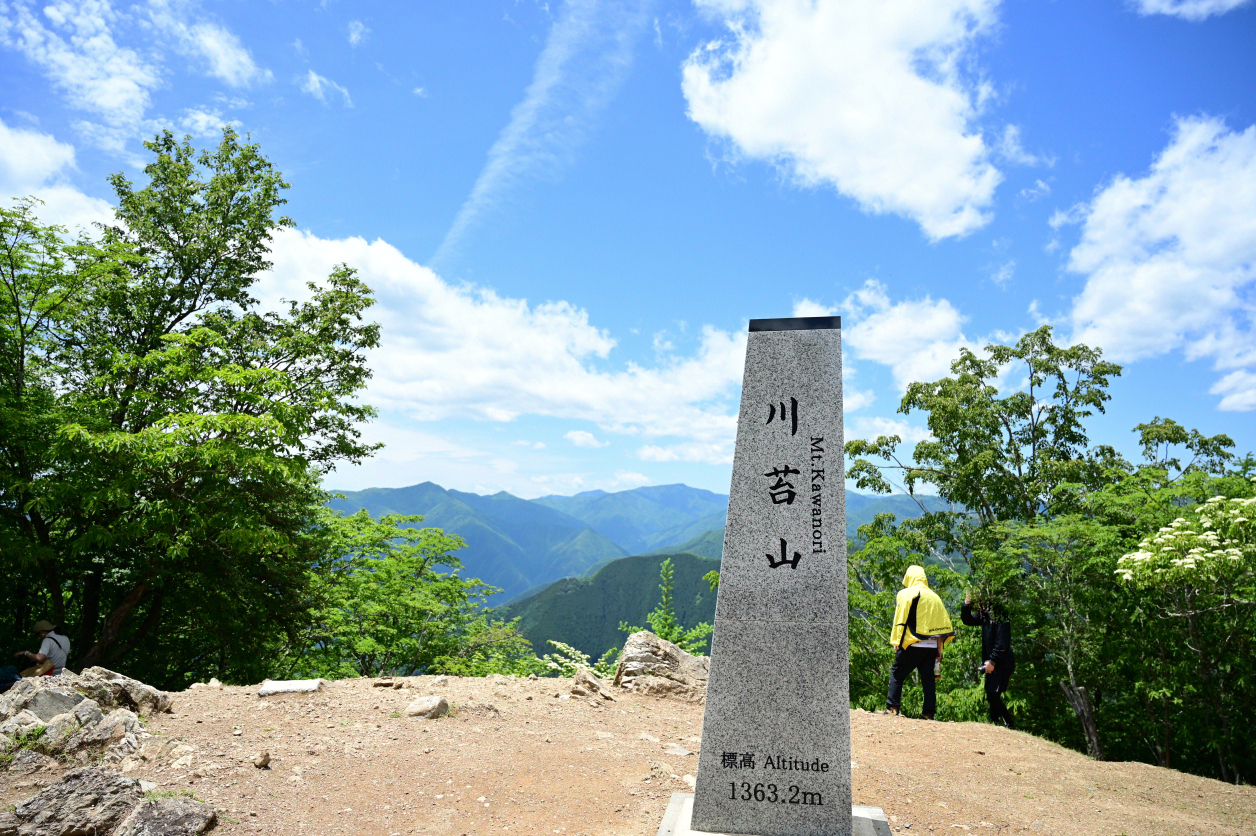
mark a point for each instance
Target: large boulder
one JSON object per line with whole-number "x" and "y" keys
{"x": 113, "y": 690}
{"x": 87, "y": 800}
{"x": 178, "y": 816}
{"x": 653, "y": 666}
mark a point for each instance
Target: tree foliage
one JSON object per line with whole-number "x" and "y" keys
{"x": 162, "y": 438}
{"x": 392, "y": 603}
{"x": 1120, "y": 649}
{"x": 664, "y": 623}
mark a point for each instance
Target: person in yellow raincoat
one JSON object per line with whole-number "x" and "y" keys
{"x": 922, "y": 628}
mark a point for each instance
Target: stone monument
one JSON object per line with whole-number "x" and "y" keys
{"x": 775, "y": 757}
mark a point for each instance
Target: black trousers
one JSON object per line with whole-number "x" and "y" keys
{"x": 996, "y": 684}
{"x": 911, "y": 659}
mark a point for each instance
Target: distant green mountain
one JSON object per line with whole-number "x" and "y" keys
{"x": 586, "y": 612}
{"x": 512, "y": 543}
{"x": 645, "y": 518}
{"x": 521, "y": 546}
{"x": 860, "y": 510}
{"x": 708, "y": 544}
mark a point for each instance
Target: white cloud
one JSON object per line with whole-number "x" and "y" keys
{"x": 535, "y": 445}
{"x": 1037, "y": 190}
{"x": 76, "y": 44}
{"x": 585, "y": 59}
{"x": 870, "y": 427}
{"x": 1188, "y": 9}
{"x": 205, "y": 122}
{"x": 1010, "y": 149}
{"x": 867, "y": 97}
{"x": 36, "y": 164}
{"x": 458, "y": 351}
{"x": 808, "y": 307}
{"x": 1170, "y": 258}
{"x": 225, "y": 57}
{"x": 581, "y": 438}
{"x": 420, "y": 92}
{"x": 73, "y": 43}
{"x": 918, "y": 339}
{"x": 1004, "y": 274}
{"x": 320, "y": 87}
{"x": 357, "y": 32}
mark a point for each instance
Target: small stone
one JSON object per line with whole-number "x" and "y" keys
{"x": 532, "y": 676}
{"x": 661, "y": 770}
{"x": 237, "y": 733}
{"x": 428, "y": 707}
{"x": 262, "y": 760}
{"x": 440, "y": 680}
{"x": 648, "y": 738}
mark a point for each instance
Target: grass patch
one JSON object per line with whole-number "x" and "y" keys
{"x": 155, "y": 795}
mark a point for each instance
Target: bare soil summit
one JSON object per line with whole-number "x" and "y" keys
{"x": 522, "y": 756}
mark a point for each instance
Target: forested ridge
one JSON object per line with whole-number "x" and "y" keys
{"x": 164, "y": 442}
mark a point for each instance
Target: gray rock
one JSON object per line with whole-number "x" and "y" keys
{"x": 587, "y": 685}
{"x": 428, "y": 707}
{"x": 49, "y": 702}
{"x": 114, "y": 690}
{"x": 85, "y": 801}
{"x": 262, "y": 760}
{"x": 650, "y": 665}
{"x": 179, "y": 816}
{"x": 23, "y": 722}
{"x": 26, "y": 762}
{"x": 111, "y": 730}
{"x": 289, "y": 686}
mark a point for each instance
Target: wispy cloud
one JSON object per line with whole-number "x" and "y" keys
{"x": 320, "y": 87}
{"x": 585, "y": 59}
{"x": 357, "y": 32}
{"x": 225, "y": 57}
{"x": 88, "y": 50}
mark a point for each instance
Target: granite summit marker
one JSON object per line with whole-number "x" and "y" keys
{"x": 775, "y": 758}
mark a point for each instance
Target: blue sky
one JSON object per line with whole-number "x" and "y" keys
{"x": 569, "y": 210}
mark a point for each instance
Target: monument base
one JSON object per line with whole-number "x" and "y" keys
{"x": 865, "y": 821}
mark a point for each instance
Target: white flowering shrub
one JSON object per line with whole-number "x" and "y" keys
{"x": 1214, "y": 545}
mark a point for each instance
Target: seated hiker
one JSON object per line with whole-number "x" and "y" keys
{"x": 921, "y": 629}
{"x": 996, "y": 650}
{"x": 54, "y": 652}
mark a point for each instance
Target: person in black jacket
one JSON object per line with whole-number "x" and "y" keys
{"x": 996, "y": 650}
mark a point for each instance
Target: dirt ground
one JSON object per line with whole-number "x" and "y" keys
{"x": 513, "y": 758}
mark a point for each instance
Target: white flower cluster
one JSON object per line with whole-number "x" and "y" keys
{"x": 1217, "y": 539}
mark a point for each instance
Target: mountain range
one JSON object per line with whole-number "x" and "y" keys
{"x": 522, "y": 545}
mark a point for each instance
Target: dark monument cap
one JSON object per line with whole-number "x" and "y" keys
{"x": 799, "y": 323}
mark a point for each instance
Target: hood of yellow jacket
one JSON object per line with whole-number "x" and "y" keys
{"x": 915, "y": 576}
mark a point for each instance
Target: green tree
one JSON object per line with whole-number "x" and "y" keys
{"x": 664, "y": 623}
{"x": 160, "y": 493}
{"x": 1199, "y": 574}
{"x": 392, "y": 603}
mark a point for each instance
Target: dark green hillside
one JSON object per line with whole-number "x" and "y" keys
{"x": 645, "y": 518}
{"x": 585, "y": 612}
{"x": 512, "y": 543}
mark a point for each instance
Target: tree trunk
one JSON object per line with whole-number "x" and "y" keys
{"x": 113, "y": 626}
{"x": 1079, "y": 699}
